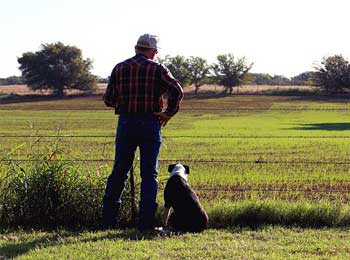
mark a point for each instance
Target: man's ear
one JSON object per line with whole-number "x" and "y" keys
{"x": 171, "y": 167}
{"x": 187, "y": 169}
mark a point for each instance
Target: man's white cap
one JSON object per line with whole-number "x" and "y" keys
{"x": 148, "y": 41}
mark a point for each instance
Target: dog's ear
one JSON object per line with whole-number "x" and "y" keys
{"x": 171, "y": 167}
{"x": 187, "y": 168}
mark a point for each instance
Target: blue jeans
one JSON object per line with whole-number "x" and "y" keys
{"x": 134, "y": 130}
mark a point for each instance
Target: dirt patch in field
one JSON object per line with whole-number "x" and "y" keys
{"x": 25, "y": 90}
{"x": 209, "y": 98}
{"x": 245, "y": 89}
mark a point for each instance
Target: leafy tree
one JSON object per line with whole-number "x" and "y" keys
{"x": 229, "y": 71}
{"x": 178, "y": 67}
{"x": 258, "y": 79}
{"x": 334, "y": 74}
{"x": 280, "y": 80}
{"x": 266, "y": 79}
{"x": 57, "y": 67}
{"x": 304, "y": 79}
{"x": 198, "y": 70}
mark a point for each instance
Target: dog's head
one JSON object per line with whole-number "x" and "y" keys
{"x": 182, "y": 170}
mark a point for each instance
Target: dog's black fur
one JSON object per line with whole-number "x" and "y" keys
{"x": 188, "y": 214}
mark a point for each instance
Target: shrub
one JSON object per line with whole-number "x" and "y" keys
{"x": 52, "y": 192}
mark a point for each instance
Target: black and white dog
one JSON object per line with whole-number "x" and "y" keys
{"x": 188, "y": 214}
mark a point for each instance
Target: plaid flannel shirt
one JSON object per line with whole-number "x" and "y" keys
{"x": 140, "y": 84}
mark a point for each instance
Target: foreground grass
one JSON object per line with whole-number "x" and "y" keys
{"x": 265, "y": 243}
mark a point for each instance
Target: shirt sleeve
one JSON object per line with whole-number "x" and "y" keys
{"x": 112, "y": 84}
{"x": 173, "y": 89}
{"x": 112, "y": 78}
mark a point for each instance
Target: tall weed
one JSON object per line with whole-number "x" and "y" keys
{"x": 51, "y": 190}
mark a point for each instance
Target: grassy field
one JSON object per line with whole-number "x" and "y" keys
{"x": 244, "y": 142}
{"x": 239, "y": 148}
{"x": 264, "y": 243}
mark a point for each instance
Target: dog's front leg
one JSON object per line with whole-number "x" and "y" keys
{"x": 166, "y": 215}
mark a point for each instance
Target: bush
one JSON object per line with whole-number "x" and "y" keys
{"x": 52, "y": 192}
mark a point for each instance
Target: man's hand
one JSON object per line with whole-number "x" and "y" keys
{"x": 163, "y": 118}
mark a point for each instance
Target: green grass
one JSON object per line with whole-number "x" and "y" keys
{"x": 193, "y": 135}
{"x": 265, "y": 243}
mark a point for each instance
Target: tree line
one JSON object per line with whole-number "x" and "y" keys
{"x": 303, "y": 79}
{"x": 332, "y": 75}
{"x": 227, "y": 71}
{"x": 60, "y": 67}
{"x": 13, "y": 80}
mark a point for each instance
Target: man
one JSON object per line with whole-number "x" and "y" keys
{"x": 138, "y": 85}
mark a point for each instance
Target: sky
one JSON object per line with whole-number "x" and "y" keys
{"x": 281, "y": 37}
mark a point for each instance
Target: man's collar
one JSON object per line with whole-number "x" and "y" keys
{"x": 141, "y": 55}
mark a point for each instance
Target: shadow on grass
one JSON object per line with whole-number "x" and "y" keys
{"x": 324, "y": 126}
{"x": 130, "y": 234}
{"x": 14, "y": 98}
{"x": 208, "y": 95}
{"x": 14, "y": 247}
{"x": 322, "y": 98}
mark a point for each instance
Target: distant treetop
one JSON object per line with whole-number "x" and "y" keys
{"x": 57, "y": 67}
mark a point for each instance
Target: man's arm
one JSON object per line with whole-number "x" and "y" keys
{"x": 110, "y": 96}
{"x": 175, "y": 95}
{"x": 174, "y": 91}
